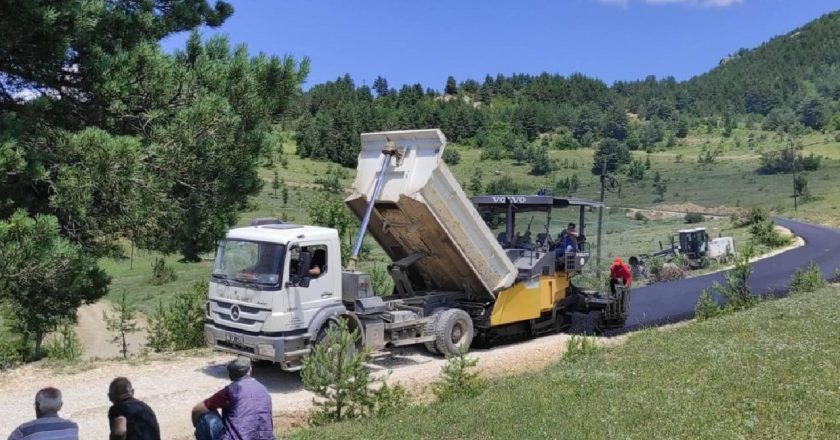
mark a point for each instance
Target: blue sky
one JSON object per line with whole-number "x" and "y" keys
{"x": 425, "y": 41}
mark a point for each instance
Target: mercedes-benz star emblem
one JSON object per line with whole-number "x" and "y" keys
{"x": 234, "y": 313}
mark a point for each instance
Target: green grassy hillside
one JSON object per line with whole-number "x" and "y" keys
{"x": 765, "y": 373}
{"x": 730, "y": 182}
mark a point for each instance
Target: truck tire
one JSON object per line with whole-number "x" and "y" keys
{"x": 322, "y": 336}
{"x": 453, "y": 332}
{"x": 429, "y": 329}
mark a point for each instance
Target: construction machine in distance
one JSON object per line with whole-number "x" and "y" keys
{"x": 694, "y": 244}
{"x": 276, "y": 287}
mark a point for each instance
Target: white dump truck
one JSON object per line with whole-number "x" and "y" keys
{"x": 276, "y": 287}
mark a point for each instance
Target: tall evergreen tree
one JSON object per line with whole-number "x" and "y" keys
{"x": 451, "y": 86}
{"x": 380, "y": 86}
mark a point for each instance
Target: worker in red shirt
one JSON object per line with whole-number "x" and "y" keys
{"x": 620, "y": 271}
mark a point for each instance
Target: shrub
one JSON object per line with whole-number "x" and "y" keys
{"x": 162, "y": 273}
{"x": 654, "y": 266}
{"x": 639, "y": 216}
{"x": 338, "y": 376}
{"x": 64, "y": 345}
{"x": 781, "y": 161}
{"x": 737, "y": 290}
{"x": 636, "y": 171}
{"x": 185, "y": 317}
{"x": 502, "y": 185}
{"x": 157, "y": 338}
{"x": 565, "y": 141}
{"x": 382, "y": 282}
{"x": 540, "y": 163}
{"x": 694, "y": 217}
{"x": 807, "y": 280}
{"x": 390, "y": 399}
{"x": 757, "y": 215}
{"x": 459, "y": 378}
{"x": 706, "y": 307}
{"x": 11, "y": 353}
{"x": 578, "y": 347}
{"x": 764, "y": 233}
{"x": 659, "y": 188}
{"x": 330, "y": 181}
{"x": 451, "y": 156}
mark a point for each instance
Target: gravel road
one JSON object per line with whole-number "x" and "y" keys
{"x": 171, "y": 387}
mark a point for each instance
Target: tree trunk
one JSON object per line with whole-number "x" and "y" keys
{"x": 39, "y": 338}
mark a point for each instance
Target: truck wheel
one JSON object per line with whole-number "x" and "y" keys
{"x": 453, "y": 331}
{"x": 429, "y": 329}
{"x": 322, "y": 336}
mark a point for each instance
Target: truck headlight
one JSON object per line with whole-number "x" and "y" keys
{"x": 265, "y": 350}
{"x": 209, "y": 338}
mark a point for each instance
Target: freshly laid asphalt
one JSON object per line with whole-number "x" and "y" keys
{"x": 665, "y": 303}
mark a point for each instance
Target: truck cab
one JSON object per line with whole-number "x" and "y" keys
{"x": 270, "y": 282}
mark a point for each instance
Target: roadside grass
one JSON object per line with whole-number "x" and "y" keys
{"x": 768, "y": 372}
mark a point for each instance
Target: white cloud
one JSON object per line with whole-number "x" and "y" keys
{"x": 695, "y": 3}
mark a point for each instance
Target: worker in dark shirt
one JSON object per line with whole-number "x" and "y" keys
{"x": 245, "y": 405}
{"x": 130, "y": 418}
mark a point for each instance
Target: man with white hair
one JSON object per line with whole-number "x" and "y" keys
{"x": 47, "y": 425}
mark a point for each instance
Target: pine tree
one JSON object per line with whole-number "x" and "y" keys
{"x": 459, "y": 378}
{"x": 476, "y": 185}
{"x": 122, "y": 323}
{"x": 275, "y": 183}
{"x": 451, "y": 86}
{"x": 380, "y": 86}
{"x": 660, "y": 188}
{"x": 157, "y": 338}
{"x": 337, "y": 374}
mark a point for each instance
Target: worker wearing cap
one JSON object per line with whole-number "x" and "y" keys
{"x": 245, "y": 405}
{"x": 620, "y": 271}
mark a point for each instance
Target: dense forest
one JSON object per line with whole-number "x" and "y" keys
{"x": 791, "y": 84}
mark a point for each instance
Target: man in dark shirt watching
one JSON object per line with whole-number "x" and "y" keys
{"x": 130, "y": 418}
{"x": 245, "y": 405}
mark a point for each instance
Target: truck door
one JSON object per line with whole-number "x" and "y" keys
{"x": 323, "y": 285}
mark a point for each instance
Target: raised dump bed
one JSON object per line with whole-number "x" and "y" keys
{"x": 422, "y": 208}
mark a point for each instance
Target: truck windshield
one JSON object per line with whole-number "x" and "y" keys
{"x": 249, "y": 261}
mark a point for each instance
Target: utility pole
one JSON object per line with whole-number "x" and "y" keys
{"x": 600, "y": 217}
{"x": 793, "y": 171}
